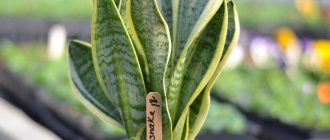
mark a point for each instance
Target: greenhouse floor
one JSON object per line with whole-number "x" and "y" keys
{"x": 15, "y": 125}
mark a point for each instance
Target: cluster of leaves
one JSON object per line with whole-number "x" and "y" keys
{"x": 176, "y": 48}
{"x": 221, "y": 118}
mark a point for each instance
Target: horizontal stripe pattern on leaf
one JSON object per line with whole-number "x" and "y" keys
{"x": 84, "y": 79}
{"x": 117, "y": 66}
{"x": 197, "y": 120}
{"x": 197, "y": 64}
{"x": 205, "y": 58}
{"x": 154, "y": 37}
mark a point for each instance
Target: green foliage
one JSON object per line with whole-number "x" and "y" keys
{"x": 273, "y": 94}
{"x": 30, "y": 60}
{"x": 46, "y": 8}
{"x": 224, "y": 118}
{"x": 55, "y": 73}
{"x": 134, "y": 50}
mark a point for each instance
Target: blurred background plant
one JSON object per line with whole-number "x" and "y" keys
{"x": 280, "y": 69}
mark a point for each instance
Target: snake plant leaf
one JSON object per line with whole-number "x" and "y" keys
{"x": 205, "y": 59}
{"x": 199, "y": 108}
{"x": 194, "y": 70}
{"x": 116, "y": 65}
{"x": 187, "y": 127}
{"x": 179, "y": 128}
{"x": 231, "y": 40}
{"x": 181, "y": 64}
{"x": 185, "y": 20}
{"x": 189, "y": 19}
{"x": 195, "y": 108}
{"x": 198, "y": 113}
{"x": 154, "y": 37}
{"x": 126, "y": 14}
{"x": 84, "y": 81}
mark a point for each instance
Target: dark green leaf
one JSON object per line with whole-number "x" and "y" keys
{"x": 189, "y": 19}
{"x": 205, "y": 58}
{"x": 153, "y": 34}
{"x": 84, "y": 80}
{"x": 194, "y": 71}
{"x": 198, "y": 117}
{"x": 117, "y": 66}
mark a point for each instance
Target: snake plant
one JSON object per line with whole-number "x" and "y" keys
{"x": 175, "y": 47}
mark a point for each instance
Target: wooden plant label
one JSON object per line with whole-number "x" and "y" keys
{"x": 154, "y": 116}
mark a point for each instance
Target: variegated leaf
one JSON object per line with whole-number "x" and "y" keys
{"x": 84, "y": 81}
{"x": 231, "y": 40}
{"x": 126, "y": 14}
{"x": 195, "y": 108}
{"x": 154, "y": 37}
{"x": 117, "y": 66}
{"x": 153, "y": 33}
{"x": 189, "y": 19}
{"x": 197, "y": 64}
{"x": 179, "y": 128}
{"x": 199, "y": 109}
{"x": 198, "y": 113}
{"x": 205, "y": 59}
{"x": 186, "y": 128}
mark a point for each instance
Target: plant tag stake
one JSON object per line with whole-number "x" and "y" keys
{"x": 154, "y": 116}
